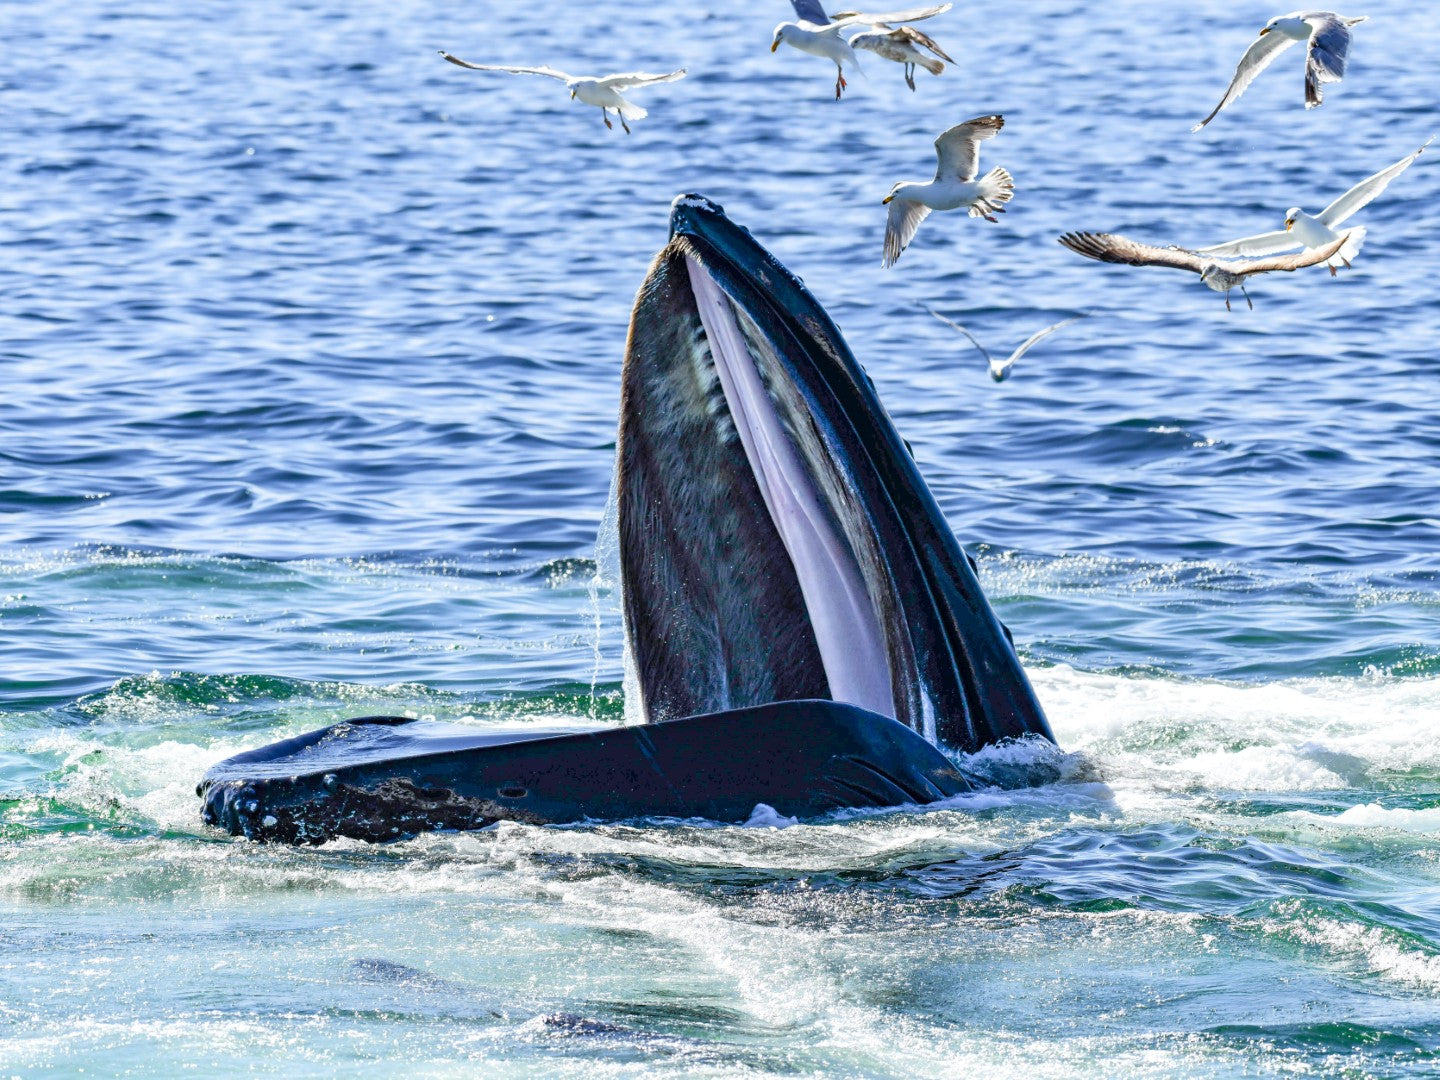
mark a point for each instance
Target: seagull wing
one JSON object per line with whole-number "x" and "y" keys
{"x": 1270, "y": 243}
{"x": 810, "y": 11}
{"x": 919, "y": 37}
{"x": 1289, "y": 262}
{"x": 900, "y": 227}
{"x": 959, "y": 148}
{"x": 1040, "y": 335}
{"x": 956, "y": 326}
{"x": 846, "y": 18}
{"x": 1325, "y": 53}
{"x": 639, "y": 78}
{"x": 548, "y": 72}
{"x": 1257, "y": 58}
{"x": 1363, "y": 193}
{"x": 1107, "y": 247}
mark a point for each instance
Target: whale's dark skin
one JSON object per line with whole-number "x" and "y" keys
{"x": 730, "y": 660}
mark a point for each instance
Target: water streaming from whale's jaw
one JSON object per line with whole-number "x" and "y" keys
{"x": 776, "y": 540}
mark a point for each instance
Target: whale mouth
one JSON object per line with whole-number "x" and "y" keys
{"x": 777, "y": 542}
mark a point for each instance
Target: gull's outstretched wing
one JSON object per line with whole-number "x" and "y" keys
{"x": 848, "y": 18}
{"x": 1257, "y": 58}
{"x": 1297, "y": 261}
{"x": 810, "y": 11}
{"x": 956, "y": 326}
{"x": 548, "y": 72}
{"x": 1325, "y": 53}
{"x": 1041, "y": 335}
{"x": 958, "y": 149}
{"x": 919, "y": 37}
{"x": 1270, "y": 243}
{"x": 1107, "y": 247}
{"x": 900, "y": 227}
{"x": 639, "y": 78}
{"x": 1363, "y": 193}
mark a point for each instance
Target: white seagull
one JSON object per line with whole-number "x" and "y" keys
{"x": 1000, "y": 369}
{"x": 1303, "y": 231}
{"x": 819, "y": 35}
{"x": 1327, "y": 44}
{"x": 602, "y": 92}
{"x": 954, "y": 185}
{"x": 1217, "y": 275}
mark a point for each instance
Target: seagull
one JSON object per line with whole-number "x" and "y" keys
{"x": 819, "y": 35}
{"x": 1220, "y": 276}
{"x": 602, "y": 92}
{"x": 1327, "y": 44}
{"x": 1304, "y": 231}
{"x": 901, "y": 44}
{"x": 954, "y": 186}
{"x": 1000, "y": 369}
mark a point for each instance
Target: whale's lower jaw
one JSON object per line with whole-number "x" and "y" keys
{"x": 776, "y": 540}
{"x": 386, "y": 778}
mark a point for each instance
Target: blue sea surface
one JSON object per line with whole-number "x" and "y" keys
{"x": 311, "y": 347}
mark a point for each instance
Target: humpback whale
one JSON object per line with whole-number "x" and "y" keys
{"x": 805, "y": 629}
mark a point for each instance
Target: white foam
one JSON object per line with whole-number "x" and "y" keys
{"x": 1375, "y": 816}
{"x": 1295, "y": 735}
{"x": 765, "y": 816}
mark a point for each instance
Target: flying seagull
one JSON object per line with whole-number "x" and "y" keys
{"x": 1000, "y": 369}
{"x": 819, "y": 35}
{"x": 1327, "y": 44}
{"x": 602, "y": 92}
{"x": 1219, "y": 275}
{"x": 1303, "y": 231}
{"x": 954, "y": 185}
{"x": 901, "y": 44}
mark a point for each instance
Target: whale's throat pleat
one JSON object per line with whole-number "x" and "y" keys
{"x": 714, "y": 614}
{"x": 842, "y": 617}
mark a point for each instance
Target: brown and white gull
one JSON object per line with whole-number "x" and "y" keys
{"x": 903, "y": 45}
{"x": 1220, "y": 275}
{"x": 818, "y": 34}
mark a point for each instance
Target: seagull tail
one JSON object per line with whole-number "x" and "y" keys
{"x": 997, "y": 187}
{"x": 933, "y": 66}
{"x": 1354, "y": 240}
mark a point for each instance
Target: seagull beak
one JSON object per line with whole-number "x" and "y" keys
{"x": 572, "y": 95}
{"x": 775, "y": 44}
{"x": 1264, "y": 31}
{"x": 885, "y": 201}
{"x": 1289, "y": 224}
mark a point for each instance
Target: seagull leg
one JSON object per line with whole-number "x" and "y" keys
{"x": 1333, "y": 271}
{"x": 910, "y": 76}
{"x": 623, "y": 124}
{"x": 1227, "y": 299}
{"x": 840, "y": 82}
{"x": 1247, "y": 297}
{"x": 606, "y": 117}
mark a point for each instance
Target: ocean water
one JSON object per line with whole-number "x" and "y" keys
{"x": 311, "y": 346}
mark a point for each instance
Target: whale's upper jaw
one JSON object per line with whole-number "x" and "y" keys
{"x": 754, "y": 576}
